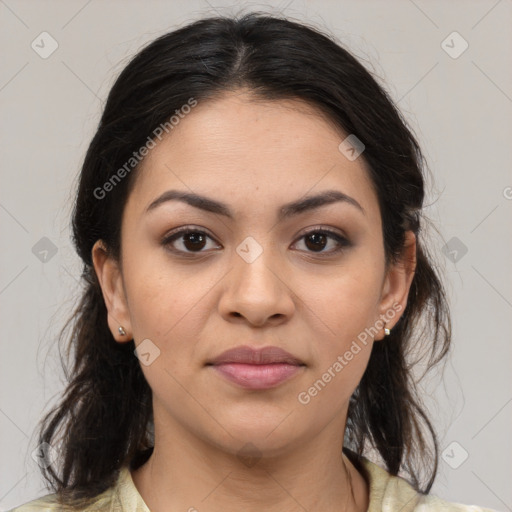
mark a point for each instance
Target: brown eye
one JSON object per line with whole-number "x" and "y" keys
{"x": 317, "y": 240}
{"x": 187, "y": 241}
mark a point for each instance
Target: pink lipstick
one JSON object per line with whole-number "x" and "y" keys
{"x": 256, "y": 368}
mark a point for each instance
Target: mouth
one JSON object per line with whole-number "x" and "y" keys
{"x": 250, "y": 368}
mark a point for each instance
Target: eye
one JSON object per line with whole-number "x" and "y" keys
{"x": 316, "y": 240}
{"x": 188, "y": 240}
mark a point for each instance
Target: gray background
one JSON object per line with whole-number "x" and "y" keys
{"x": 460, "y": 107}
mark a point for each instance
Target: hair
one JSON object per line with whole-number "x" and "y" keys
{"x": 104, "y": 419}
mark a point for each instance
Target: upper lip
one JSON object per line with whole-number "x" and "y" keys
{"x": 248, "y": 355}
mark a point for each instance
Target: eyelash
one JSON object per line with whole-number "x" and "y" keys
{"x": 168, "y": 239}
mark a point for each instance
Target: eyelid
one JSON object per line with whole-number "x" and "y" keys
{"x": 324, "y": 228}
{"x": 185, "y": 229}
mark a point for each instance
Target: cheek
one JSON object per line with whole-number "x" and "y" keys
{"x": 347, "y": 301}
{"x": 160, "y": 297}
{"x": 346, "y": 306}
{"x": 170, "y": 311}
{"x": 343, "y": 347}
{"x": 170, "y": 307}
{"x": 328, "y": 393}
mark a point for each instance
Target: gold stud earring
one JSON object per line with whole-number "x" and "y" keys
{"x": 387, "y": 331}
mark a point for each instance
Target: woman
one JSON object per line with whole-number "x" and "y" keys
{"x": 249, "y": 216}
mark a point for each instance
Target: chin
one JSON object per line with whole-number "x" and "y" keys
{"x": 257, "y": 445}
{"x": 270, "y": 431}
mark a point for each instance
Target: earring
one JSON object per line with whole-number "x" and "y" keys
{"x": 121, "y": 331}
{"x": 387, "y": 331}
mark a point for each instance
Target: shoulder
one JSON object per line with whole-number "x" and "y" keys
{"x": 111, "y": 500}
{"x": 432, "y": 503}
{"x": 43, "y": 504}
{"x": 122, "y": 497}
{"x": 390, "y": 493}
{"x": 49, "y": 503}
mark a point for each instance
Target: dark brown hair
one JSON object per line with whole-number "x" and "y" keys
{"x": 104, "y": 420}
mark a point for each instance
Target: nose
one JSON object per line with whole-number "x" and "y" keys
{"x": 257, "y": 292}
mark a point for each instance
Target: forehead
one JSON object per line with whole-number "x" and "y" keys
{"x": 241, "y": 150}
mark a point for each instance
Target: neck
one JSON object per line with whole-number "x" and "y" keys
{"x": 187, "y": 473}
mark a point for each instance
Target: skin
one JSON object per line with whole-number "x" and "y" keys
{"x": 254, "y": 156}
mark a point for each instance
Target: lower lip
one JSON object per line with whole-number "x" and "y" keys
{"x": 257, "y": 376}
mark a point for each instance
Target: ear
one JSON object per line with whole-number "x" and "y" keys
{"x": 111, "y": 282}
{"x": 397, "y": 283}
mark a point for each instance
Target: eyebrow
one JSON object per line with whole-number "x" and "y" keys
{"x": 286, "y": 211}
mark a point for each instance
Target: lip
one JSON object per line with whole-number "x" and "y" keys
{"x": 261, "y": 368}
{"x": 248, "y": 355}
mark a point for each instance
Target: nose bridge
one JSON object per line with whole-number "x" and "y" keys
{"x": 256, "y": 290}
{"x": 253, "y": 263}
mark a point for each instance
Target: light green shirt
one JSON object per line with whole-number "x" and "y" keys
{"x": 387, "y": 494}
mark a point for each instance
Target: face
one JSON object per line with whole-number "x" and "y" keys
{"x": 260, "y": 270}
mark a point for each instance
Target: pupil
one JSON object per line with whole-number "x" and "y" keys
{"x": 194, "y": 241}
{"x": 318, "y": 238}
